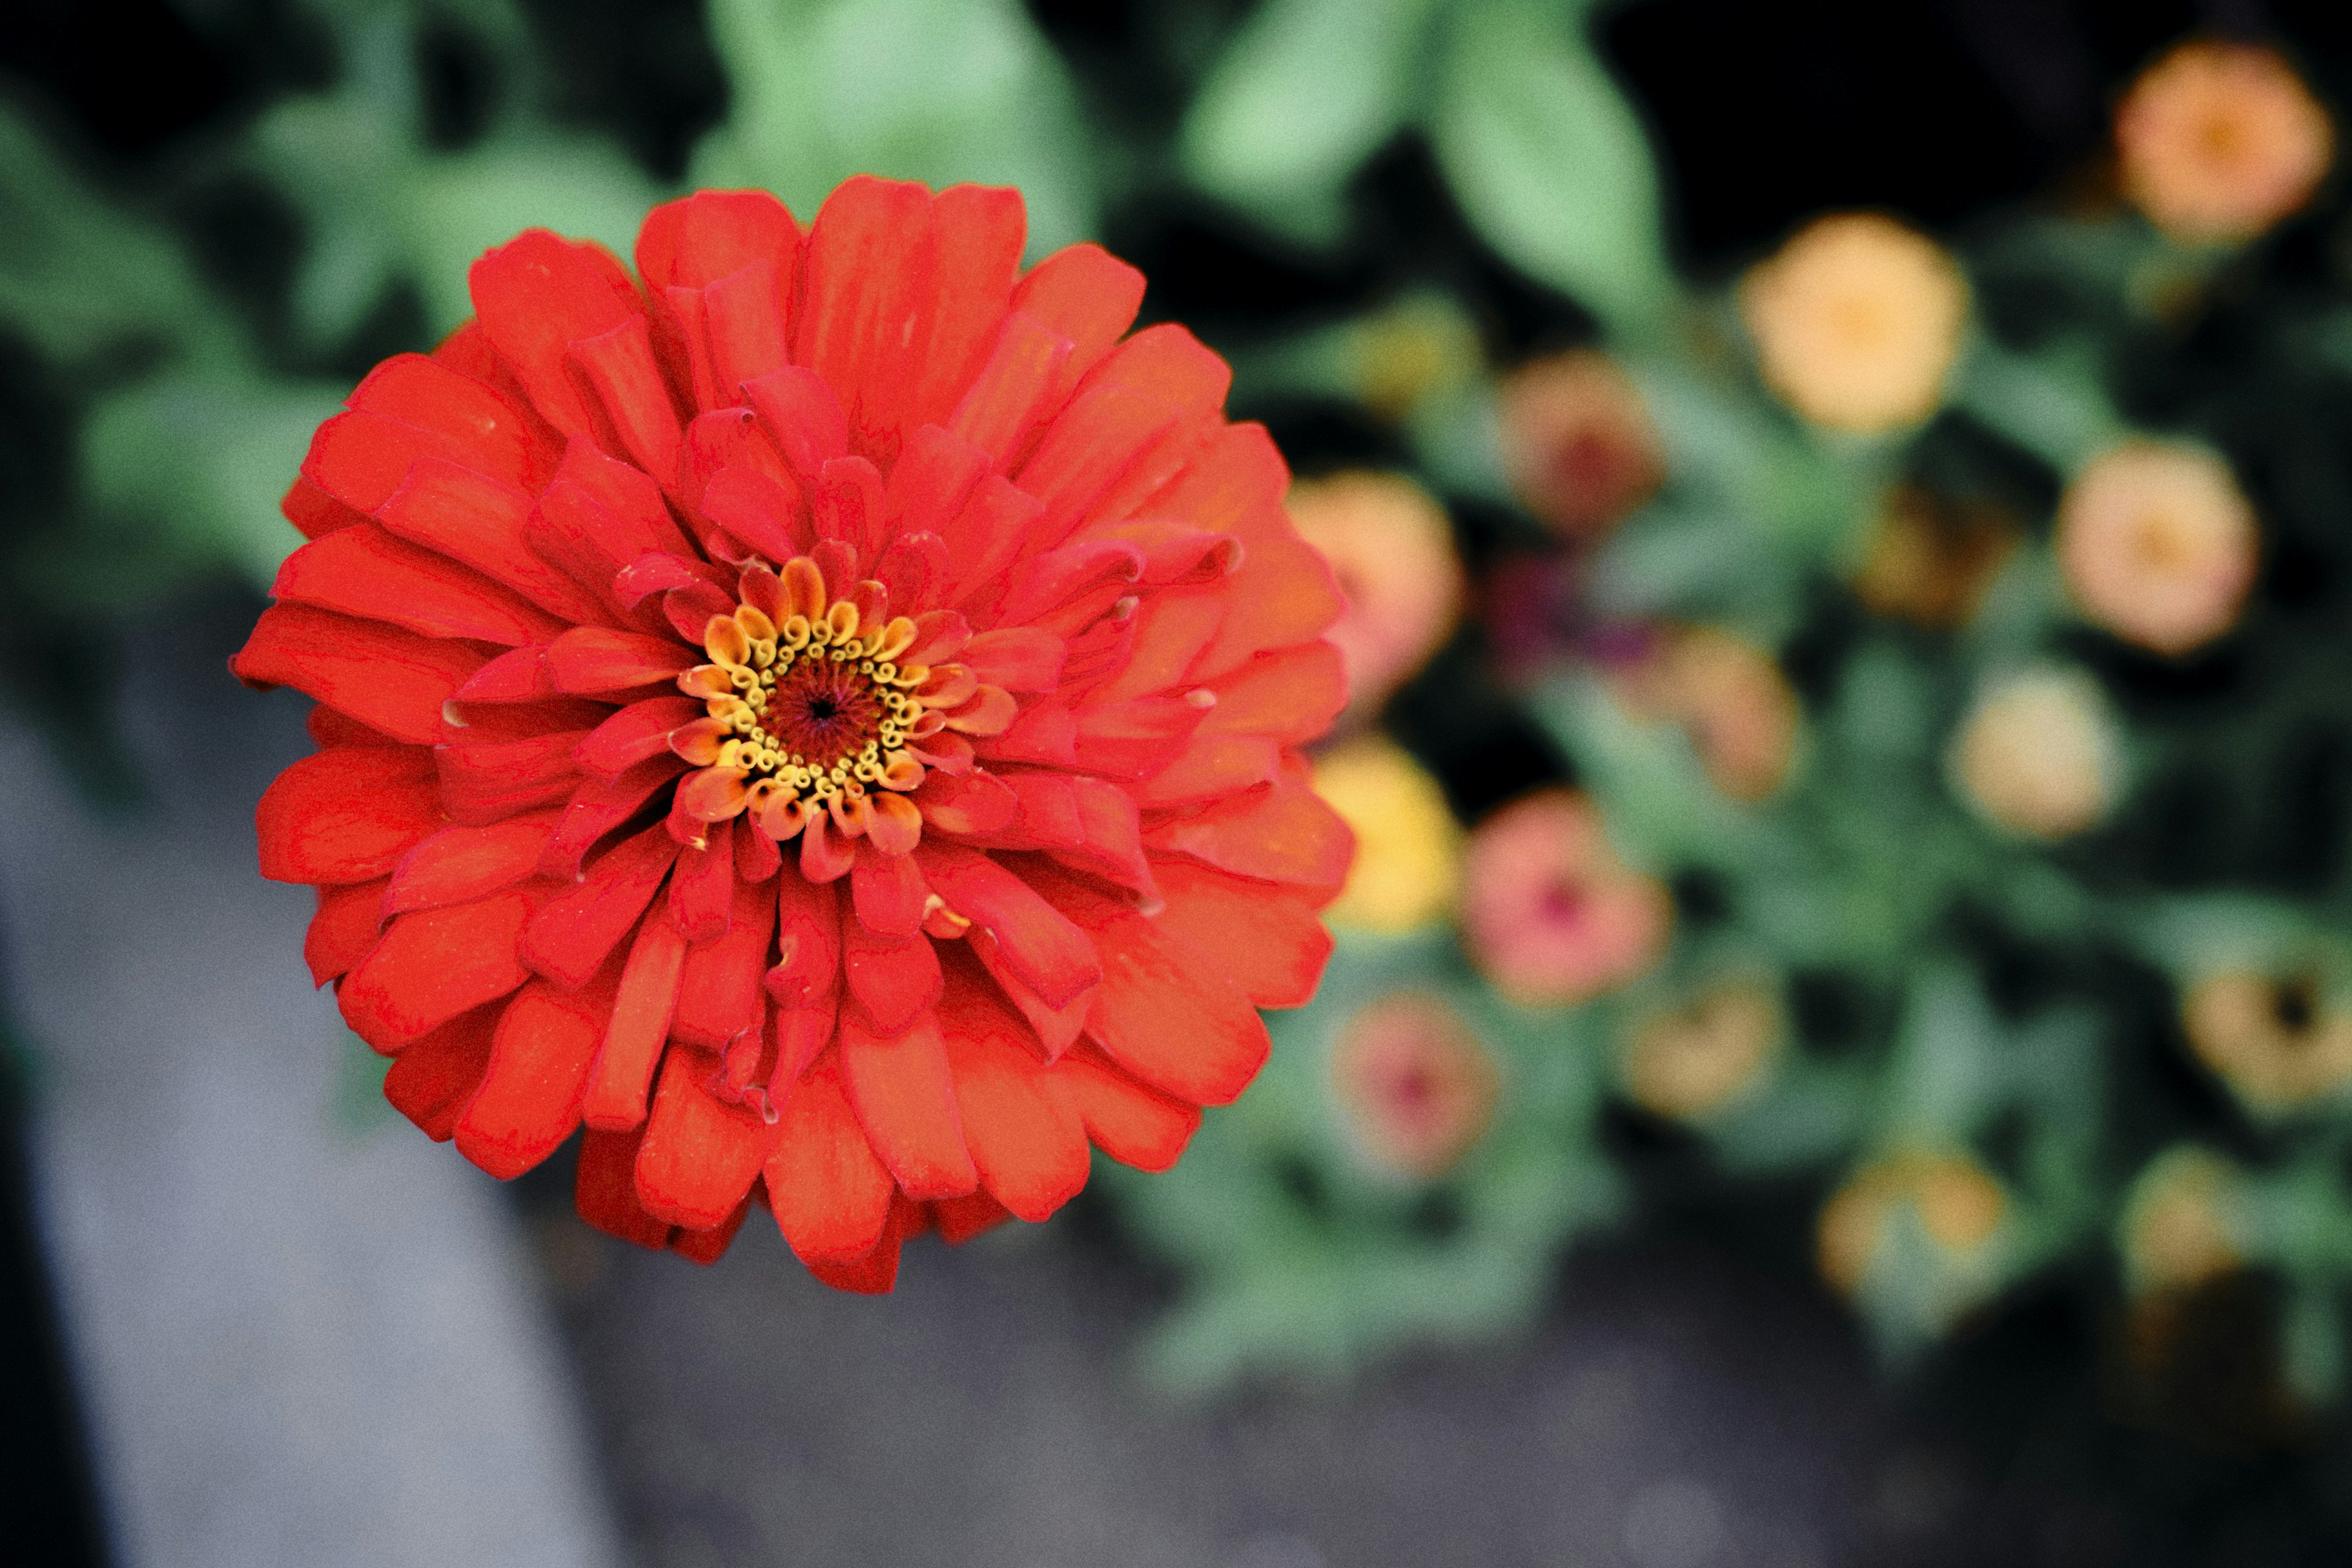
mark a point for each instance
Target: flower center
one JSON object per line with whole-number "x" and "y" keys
{"x": 815, "y": 714}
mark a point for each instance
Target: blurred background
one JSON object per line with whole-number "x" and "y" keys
{"x": 1840, "y": 1047}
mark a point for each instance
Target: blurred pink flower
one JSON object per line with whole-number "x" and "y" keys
{"x": 1416, "y": 1086}
{"x": 2158, "y": 544}
{"x": 2218, "y": 141}
{"x": 1551, "y": 915}
{"x": 1578, "y": 442}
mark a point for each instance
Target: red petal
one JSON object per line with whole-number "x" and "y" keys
{"x": 1018, "y": 659}
{"x": 847, "y": 505}
{"x": 899, "y": 1084}
{"x": 330, "y": 728}
{"x": 534, "y": 296}
{"x": 802, "y": 416}
{"x": 349, "y": 922}
{"x": 914, "y": 569}
{"x": 704, "y": 885}
{"x": 482, "y": 523}
{"x": 875, "y": 1273}
{"x": 887, "y": 892}
{"x": 634, "y": 518}
{"x": 595, "y": 810}
{"x": 696, "y": 240}
{"x": 519, "y": 675}
{"x": 1265, "y": 939}
{"x": 708, "y": 1247}
{"x": 988, "y": 535}
{"x": 529, "y": 1100}
{"x": 1023, "y": 1129}
{"x": 808, "y": 944}
{"x": 1113, "y": 843}
{"x": 700, "y": 1155}
{"x": 1056, "y": 1028}
{"x": 1131, "y": 740}
{"x": 1282, "y": 595}
{"x": 932, "y": 480}
{"x": 435, "y": 965}
{"x": 1014, "y": 391}
{"x": 1210, "y": 767}
{"x": 1132, "y": 1123}
{"x": 392, "y": 680}
{"x": 634, "y": 734}
{"x": 1281, "y": 834}
{"x": 1044, "y": 583}
{"x": 1291, "y": 696}
{"x": 1048, "y": 819}
{"x": 1085, "y": 450}
{"x": 605, "y": 1188}
{"x": 314, "y": 513}
{"x": 1053, "y": 957}
{"x": 458, "y": 865}
{"x": 981, "y": 230}
{"x": 599, "y": 659}
{"x": 866, "y": 311}
{"x": 431, "y": 1080}
{"x": 346, "y": 814}
{"x": 1170, "y": 631}
{"x": 831, "y": 1195}
{"x": 570, "y": 938}
{"x": 718, "y": 995}
{"x": 1234, "y": 484}
{"x": 759, "y": 511}
{"x": 757, "y": 859}
{"x": 977, "y": 802}
{"x": 619, "y": 366}
{"x": 1089, "y": 296}
{"x": 961, "y": 1219}
{"x": 894, "y": 980}
{"x": 624, "y": 1073}
{"x": 364, "y": 571}
{"x": 411, "y": 408}
{"x": 487, "y": 782}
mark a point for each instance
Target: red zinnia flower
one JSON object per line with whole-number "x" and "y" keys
{"x": 824, "y": 717}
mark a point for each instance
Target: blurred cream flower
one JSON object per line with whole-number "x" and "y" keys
{"x": 1857, "y": 320}
{"x": 1690, "y": 1061}
{"x": 1578, "y": 442}
{"x": 2219, "y": 140}
{"x": 2158, "y": 544}
{"x": 1929, "y": 561}
{"x": 2180, "y": 1224}
{"x": 1408, "y": 866}
{"x": 1956, "y": 1202}
{"x": 1739, "y": 711}
{"x": 1392, "y": 549}
{"x": 1550, "y": 913}
{"x": 1416, "y": 1086}
{"x": 2038, "y": 753}
{"x": 2279, "y": 1043}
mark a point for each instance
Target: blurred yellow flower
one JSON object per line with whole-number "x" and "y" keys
{"x": 2038, "y": 753}
{"x": 1929, "y": 561}
{"x": 1578, "y": 442}
{"x": 1416, "y": 1086}
{"x": 1408, "y": 866}
{"x": 1692, "y": 1060}
{"x": 2179, "y": 1226}
{"x": 1550, "y": 913}
{"x": 1958, "y": 1202}
{"x": 1392, "y": 549}
{"x": 2219, "y": 140}
{"x": 2157, "y": 545}
{"x": 1411, "y": 350}
{"x": 1857, "y": 320}
{"x": 1739, "y": 711}
{"x": 2278, "y": 1043}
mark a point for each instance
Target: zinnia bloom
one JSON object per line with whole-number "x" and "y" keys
{"x": 2157, "y": 544}
{"x": 2039, "y": 754}
{"x": 1550, "y": 914}
{"x": 1578, "y": 442}
{"x": 1695, "y": 1059}
{"x": 2182, "y": 1222}
{"x": 1416, "y": 1086}
{"x": 2280, "y": 1043}
{"x": 1956, "y": 1203}
{"x": 2219, "y": 140}
{"x": 1729, "y": 697}
{"x": 1408, "y": 869}
{"x": 1392, "y": 550}
{"x": 1857, "y": 321}
{"x": 1929, "y": 560}
{"x": 821, "y": 712}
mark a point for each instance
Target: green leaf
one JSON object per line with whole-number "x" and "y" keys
{"x": 1550, "y": 163}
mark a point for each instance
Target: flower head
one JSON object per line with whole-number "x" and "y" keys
{"x": 1408, "y": 869}
{"x": 1739, "y": 711}
{"x": 1857, "y": 321}
{"x": 2280, "y": 1043}
{"x": 821, "y": 712}
{"x": 2037, "y": 754}
{"x": 1690, "y": 1061}
{"x": 1955, "y": 1202}
{"x": 1578, "y": 442}
{"x": 1416, "y": 1088}
{"x": 2157, "y": 545}
{"x": 1550, "y": 913}
{"x": 2219, "y": 140}
{"x": 1929, "y": 561}
{"x": 2180, "y": 1224}
{"x": 1391, "y": 550}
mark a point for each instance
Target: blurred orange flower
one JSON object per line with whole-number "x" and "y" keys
{"x": 2278, "y": 1043}
{"x": 1550, "y": 914}
{"x": 1408, "y": 868}
{"x": 2158, "y": 544}
{"x": 1857, "y": 320}
{"x": 2039, "y": 754}
{"x": 1929, "y": 560}
{"x": 2180, "y": 1224}
{"x": 1956, "y": 1202}
{"x": 1739, "y": 708}
{"x": 1391, "y": 548}
{"x": 1415, "y": 1085}
{"x": 1695, "y": 1059}
{"x": 2219, "y": 140}
{"x": 1578, "y": 442}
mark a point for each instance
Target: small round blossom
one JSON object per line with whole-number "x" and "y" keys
{"x": 1408, "y": 869}
{"x": 1929, "y": 561}
{"x": 1731, "y": 697}
{"x": 1578, "y": 442}
{"x": 2219, "y": 140}
{"x": 2039, "y": 754}
{"x": 2180, "y": 1224}
{"x": 1690, "y": 1061}
{"x": 2157, "y": 545}
{"x": 1550, "y": 914}
{"x": 1956, "y": 1203}
{"x": 1410, "y": 353}
{"x": 1392, "y": 549}
{"x": 1857, "y": 320}
{"x": 822, "y": 712}
{"x": 1414, "y": 1085}
{"x": 2280, "y": 1043}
